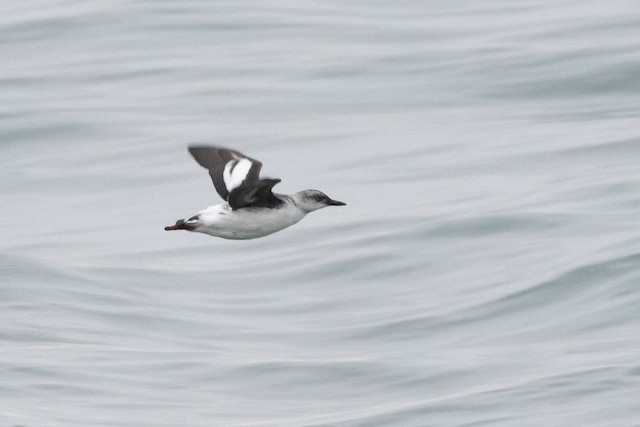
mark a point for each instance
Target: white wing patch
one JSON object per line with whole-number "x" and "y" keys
{"x": 235, "y": 171}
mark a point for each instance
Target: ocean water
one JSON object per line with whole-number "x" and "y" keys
{"x": 484, "y": 273}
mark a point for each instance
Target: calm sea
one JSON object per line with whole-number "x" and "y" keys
{"x": 485, "y": 272}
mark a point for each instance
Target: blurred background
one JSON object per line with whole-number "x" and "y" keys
{"x": 484, "y": 272}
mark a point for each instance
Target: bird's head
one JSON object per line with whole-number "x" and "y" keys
{"x": 312, "y": 200}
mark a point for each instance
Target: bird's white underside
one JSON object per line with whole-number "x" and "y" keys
{"x": 248, "y": 223}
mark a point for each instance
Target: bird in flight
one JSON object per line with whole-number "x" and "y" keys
{"x": 250, "y": 209}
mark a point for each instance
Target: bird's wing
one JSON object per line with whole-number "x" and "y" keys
{"x": 229, "y": 169}
{"x": 255, "y": 195}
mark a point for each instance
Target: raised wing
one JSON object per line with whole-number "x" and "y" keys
{"x": 229, "y": 169}
{"x": 236, "y": 177}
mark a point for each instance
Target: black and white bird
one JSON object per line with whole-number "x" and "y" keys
{"x": 251, "y": 209}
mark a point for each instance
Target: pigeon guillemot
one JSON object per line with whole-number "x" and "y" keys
{"x": 251, "y": 209}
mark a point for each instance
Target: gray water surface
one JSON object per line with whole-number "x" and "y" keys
{"x": 484, "y": 272}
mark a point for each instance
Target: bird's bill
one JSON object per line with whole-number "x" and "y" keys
{"x": 336, "y": 203}
{"x": 179, "y": 225}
